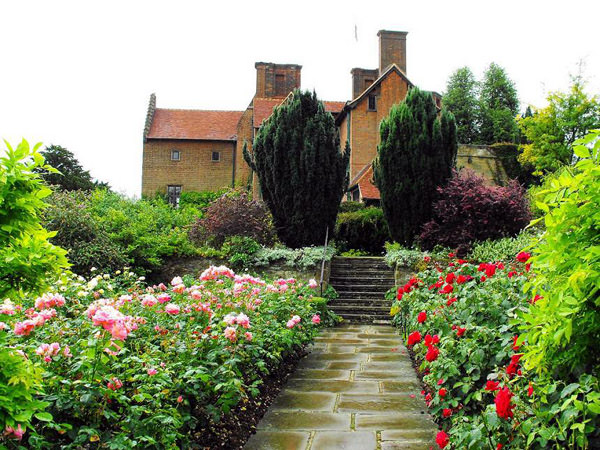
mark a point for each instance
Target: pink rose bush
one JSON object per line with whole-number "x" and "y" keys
{"x": 118, "y": 357}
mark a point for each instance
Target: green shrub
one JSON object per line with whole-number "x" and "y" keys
{"x": 240, "y": 249}
{"x": 351, "y": 207}
{"x": 28, "y": 258}
{"x": 398, "y": 255}
{"x": 503, "y": 249}
{"x": 364, "y": 229}
{"x": 200, "y": 200}
{"x": 141, "y": 232}
{"x": 300, "y": 258}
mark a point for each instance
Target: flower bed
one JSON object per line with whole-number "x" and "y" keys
{"x": 461, "y": 323}
{"x": 125, "y": 365}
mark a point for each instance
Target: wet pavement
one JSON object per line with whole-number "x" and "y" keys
{"x": 356, "y": 390}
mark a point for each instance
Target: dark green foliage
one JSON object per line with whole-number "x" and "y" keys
{"x": 416, "y": 155}
{"x": 365, "y": 229}
{"x": 499, "y": 106}
{"x": 199, "y": 200}
{"x": 302, "y": 172}
{"x": 72, "y": 176}
{"x": 461, "y": 100}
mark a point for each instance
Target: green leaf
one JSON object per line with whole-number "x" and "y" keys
{"x": 569, "y": 389}
{"x": 43, "y": 416}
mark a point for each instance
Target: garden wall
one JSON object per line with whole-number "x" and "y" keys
{"x": 484, "y": 161}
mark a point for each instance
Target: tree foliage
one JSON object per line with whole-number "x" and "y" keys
{"x": 416, "y": 155}
{"x": 461, "y": 99}
{"x": 499, "y": 105}
{"x": 27, "y": 258}
{"x": 551, "y": 131}
{"x": 301, "y": 169}
{"x": 71, "y": 175}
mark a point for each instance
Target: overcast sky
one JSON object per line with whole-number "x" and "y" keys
{"x": 79, "y": 73}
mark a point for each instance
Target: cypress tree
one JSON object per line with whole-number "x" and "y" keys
{"x": 302, "y": 171}
{"x": 416, "y": 155}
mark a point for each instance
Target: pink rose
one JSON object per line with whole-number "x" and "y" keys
{"x": 316, "y": 319}
{"x": 248, "y": 336}
{"x": 172, "y": 308}
{"x": 152, "y": 371}
{"x": 290, "y": 324}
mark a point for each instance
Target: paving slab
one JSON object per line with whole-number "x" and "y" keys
{"x": 357, "y": 440}
{"x": 305, "y": 401}
{"x": 364, "y": 387}
{"x": 304, "y": 420}
{"x": 379, "y": 403}
{"x": 321, "y": 374}
{"x": 278, "y": 440}
{"x": 383, "y": 422}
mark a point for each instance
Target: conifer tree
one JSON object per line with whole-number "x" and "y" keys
{"x": 461, "y": 100}
{"x": 416, "y": 155}
{"x": 302, "y": 171}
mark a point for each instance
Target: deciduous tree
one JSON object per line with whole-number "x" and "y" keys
{"x": 461, "y": 99}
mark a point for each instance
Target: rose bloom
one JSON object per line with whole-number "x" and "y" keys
{"x": 460, "y": 331}
{"x": 442, "y": 392}
{"x": 492, "y": 385}
{"x": 230, "y": 334}
{"x": 503, "y": 403}
{"x": 176, "y": 281}
{"x": 447, "y": 412}
{"x": 163, "y": 298}
{"x": 152, "y": 371}
{"x": 296, "y": 319}
{"x": 172, "y": 308}
{"x": 442, "y": 439}
{"x": 243, "y": 320}
{"x": 422, "y": 317}
{"x": 248, "y": 335}
{"x": 414, "y": 338}
{"x": 312, "y": 283}
{"x": 16, "y": 433}
{"x": 523, "y": 257}
{"x": 290, "y": 324}
{"x": 316, "y": 319}
{"x": 432, "y": 353}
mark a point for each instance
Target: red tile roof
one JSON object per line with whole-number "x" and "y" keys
{"x": 367, "y": 189}
{"x": 194, "y": 124}
{"x": 263, "y": 108}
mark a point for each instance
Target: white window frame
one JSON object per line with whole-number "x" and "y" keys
{"x": 212, "y": 156}
{"x": 173, "y": 151}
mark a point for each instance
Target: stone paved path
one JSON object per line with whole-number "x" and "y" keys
{"x": 355, "y": 390}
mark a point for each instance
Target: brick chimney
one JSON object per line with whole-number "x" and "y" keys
{"x": 392, "y": 49}
{"x": 362, "y": 79}
{"x": 276, "y": 80}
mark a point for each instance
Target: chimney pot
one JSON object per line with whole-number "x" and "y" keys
{"x": 392, "y": 49}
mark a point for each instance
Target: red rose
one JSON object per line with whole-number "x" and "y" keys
{"x": 431, "y": 340}
{"x": 490, "y": 270}
{"x": 427, "y": 259}
{"x": 503, "y": 403}
{"x": 400, "y": 293}
{"x": 527, "y": 267}
{"x": 440, "y": 381}
{"x": 499, "y": 447}
{"x": 447, "y": 412}
{"x": 422, "y": 317}
{"x": 451, "y": 255}
{"x": 450, "y": 278}
{"x": 442, "y": 392}
{"x": 523, "y": 257}
{"x": 511, "y": 274}
{"x": 534, "y": 300}
{"x": 483, "y": 278}
{"x": 515, "y": 347}
{"x": 432, "y": 353}
{"x": 461, "y": 279}
{"x": 460, "y": 331}
{"x": 447, "y": 289}
{"x": 492, "y": 385}
{"x": 442, "y": 439}
{"x": 413, "y": 338}
{"x": 451, "y": 300}
{"x": 530, "y": 390}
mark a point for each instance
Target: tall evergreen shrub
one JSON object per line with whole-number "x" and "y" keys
{"x": 416, "y": 155}
{"x": 301, "y": 169}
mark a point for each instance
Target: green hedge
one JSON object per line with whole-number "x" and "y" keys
{"x": 364, "y": 229}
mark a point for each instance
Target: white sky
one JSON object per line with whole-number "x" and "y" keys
{"x": 79, "y": 73}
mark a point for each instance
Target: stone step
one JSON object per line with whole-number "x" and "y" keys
{"x": 361, "y": 279}
{"x": 359, "y": 302}
{"x": 361, "y": 268}
{"x": 366, "y": 318}
{"x": 361, "y": 291}
{"x": 363, "y": 309}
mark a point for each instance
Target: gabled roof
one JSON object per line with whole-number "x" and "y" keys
{"x": 363, "y": 180}
{"x": 263, "y": 108}
{"x": 376, "y": 83}
{"x": 194, "y": 124}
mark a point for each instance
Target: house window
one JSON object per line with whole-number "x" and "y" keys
{"x": 175, "y": 155}
{"x": 372, "y": 103}
{"x": 356, "y": 195}
{"x": 173, "y": 194}
{"x": 216, "y": 156}
{"x": 280, "y": 85}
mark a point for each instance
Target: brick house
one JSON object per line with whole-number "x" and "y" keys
{"x": 202, "y": 150}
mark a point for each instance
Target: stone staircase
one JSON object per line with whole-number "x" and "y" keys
{"x": 361, "y": 284}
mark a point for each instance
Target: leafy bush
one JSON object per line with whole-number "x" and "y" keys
{"x": 365, "y": 229}
{"x": 462, "y": 323}
{"x": 500, "y": 249}
{"x": 351, "y": 207}
{"x": 398, "y": 255}
{"x": 200, "y": 200}
{"x": 234, "y": 215}
{"x": 28, "y": 258}
{"x": 468, "y": 210}
{"x": 240, "y": 250}
{"x": 103, "y": 229}
{"x": 563, "y": 328}
{"x": 300, "y": 258}
{"x": 88, "y": 243}
{"x": 132, "y": 366}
